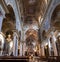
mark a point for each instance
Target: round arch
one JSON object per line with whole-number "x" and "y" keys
{"x": 51, "y": 12}
{"x": 31, "y": 36}
{"x": 9, "y": 22}
{"x": 55, "y": 17}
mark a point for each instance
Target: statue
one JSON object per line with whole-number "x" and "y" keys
{"x": 9, "y": 45}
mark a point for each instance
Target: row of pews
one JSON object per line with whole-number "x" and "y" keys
{"x": 14, "y": 58}
{"x": 26, "y": 58}
{"x": 50, "y": 59}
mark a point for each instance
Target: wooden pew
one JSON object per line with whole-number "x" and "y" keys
{"x": 14, "y": 58}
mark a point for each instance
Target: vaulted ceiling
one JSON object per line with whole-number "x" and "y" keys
{"x": 33, "y": 9}
{"x": 30, "y": 7}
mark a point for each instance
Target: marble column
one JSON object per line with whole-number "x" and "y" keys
{"x": 42, "y": 51}
{"x": 15, "y": 45}
{"x": 49, "y": 46}
{"x": 2, "y": 43}
{"x": 21, "y": 49}
{"x": 54, "y": 47}
{"x": 24, "y": 48}
{"x": 1, "y": 20}
{"x": 39, "y": 50}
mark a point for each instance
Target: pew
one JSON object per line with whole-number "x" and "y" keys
{"x": 14, "y": 58}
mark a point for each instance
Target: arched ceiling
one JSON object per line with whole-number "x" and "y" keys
{"x": 29, "y": 7}
{"x": 33, "y": 9}
{"x": 31, "y": 31}
{"x": 31, "y": 35}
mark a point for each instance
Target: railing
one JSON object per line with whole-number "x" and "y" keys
{"x": 34, "y": 59}
{"x": 51, "y": 59}
{"x": 14, "y": 58}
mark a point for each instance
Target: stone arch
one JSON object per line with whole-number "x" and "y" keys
{"x": 14, "y": 6}
{"x": 31, "y": 36}
{"x": 55, "y": 17}
{"x": 52, "y": 10}
{"x": 9, "y": 22}
{"x": 31, "y": 40}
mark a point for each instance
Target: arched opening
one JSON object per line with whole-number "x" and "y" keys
{"x": 9, "y": 22}
{"x": 8, "y": 25}
{"x": 32, "y": 42}
{"x": 55, "y": 19}
{"x": 55, "y": 23}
